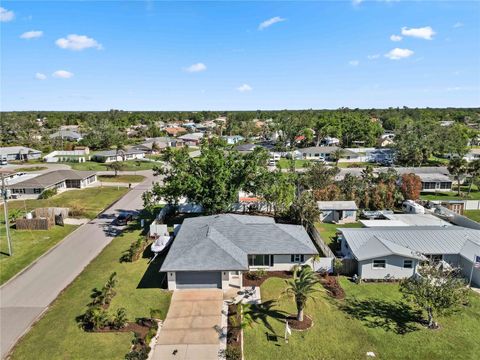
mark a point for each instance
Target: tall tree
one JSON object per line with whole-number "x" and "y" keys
{"x": 436, "y": 291}
{"x": 302, "y": 287}
{"x": 457, "y": 167}
{"x": 411, "y": 186}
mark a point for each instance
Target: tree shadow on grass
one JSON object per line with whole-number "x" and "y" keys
{"x": 153, "y": 278}
{"x": 397, "y": 317}
{"x": 265, "y": 312}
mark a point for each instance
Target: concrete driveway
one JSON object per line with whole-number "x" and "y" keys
{"x": 192, "y": 329}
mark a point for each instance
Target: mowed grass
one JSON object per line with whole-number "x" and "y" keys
{"x": 27, "y": 247}
{"x": 328, "y": 232}
{"x": 286, "y": 163}
{"x": 453, "y": 195}
{"x": 130, "y": 165}
{"x": 57, "y": 335}
{"x": 472, "y": 214}
{"x": 31, "y": 168}
{"x": 121, "y": 178}
{"x": 371, "y": 318}
{"x": 89, "y": 201}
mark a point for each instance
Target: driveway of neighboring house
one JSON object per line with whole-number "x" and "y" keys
{"x": 192, "y": 329}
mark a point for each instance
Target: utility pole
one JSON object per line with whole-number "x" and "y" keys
{"x": 5, "y": 212}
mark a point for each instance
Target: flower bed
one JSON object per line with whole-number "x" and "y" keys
{"x": 234, "y": 334}
{"x": 331, "y": 284}
{"x": 249, "y": 280}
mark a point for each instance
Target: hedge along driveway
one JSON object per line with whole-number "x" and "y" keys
{"x": 58, "y": 336}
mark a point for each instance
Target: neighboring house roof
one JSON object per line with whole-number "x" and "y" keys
{"x": 337, "y": 205}
{"x": 192, "y": 137}
{"x": 417, "y": 219}
{"x": 423, "y": 239}
{"x": 222, "y": 242}
{"x": 8, "y": 150}
{"x": 67, "y": 134}
{"x": 175, "y": 130}
{"x": 327, "y": 150}
{"x": 108, "y": 153}
{"x": 52, "y": 178}
{"x": 376, "y": 247}
{"x": 441, "y": 170}
{"x": 434, "y": 177}
{"x": 246, "y": 147}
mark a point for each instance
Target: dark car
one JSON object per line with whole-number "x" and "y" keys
{"x": 124, "y": 218}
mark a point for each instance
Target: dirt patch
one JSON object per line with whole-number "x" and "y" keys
{"x": 306, "y": 324}
{"x": 234, "y": 334}
{"x": 248, "y": 281}
{"x": 331, "y": 284}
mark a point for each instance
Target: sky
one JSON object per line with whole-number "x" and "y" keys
{"x": 150, "y": 55}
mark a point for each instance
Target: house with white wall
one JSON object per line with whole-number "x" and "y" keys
{"x": 396, "y": 252}
{"x": 213, "y": 251}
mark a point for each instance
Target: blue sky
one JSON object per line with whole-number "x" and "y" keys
{"x": 147, "y": 55}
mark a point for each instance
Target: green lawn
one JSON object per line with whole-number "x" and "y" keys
{"x": 327, "y": 232}
{"x": 57, "y": 335}
{"x": 472, "y": 214}
{"x": 370, "y": 319}
{"x": 285, "y": 163}
{"x": 86, "y": 202}
{"x": 121, "y": 178}
{"x": 353, "y": 164}
{"x": 27, "y": 246}
{"x": 130, "y": 165}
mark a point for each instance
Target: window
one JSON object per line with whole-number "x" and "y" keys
{"x": 297, "y": 258}
{"x": 259, "y": 260}
{"x": 379, "y": 264}
{"x": 407, "y": 264}
{"x": 446, "y": 185}
{"x": 429, "y": 185}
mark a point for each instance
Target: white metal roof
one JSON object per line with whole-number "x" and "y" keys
{"x": 337, "y": 205}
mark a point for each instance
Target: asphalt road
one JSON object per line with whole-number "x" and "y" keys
{"x": 25, "y": 298}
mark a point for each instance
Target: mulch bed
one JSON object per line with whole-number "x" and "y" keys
{"x": 234, "y": 331}
{"x": 331, "y": 284}
{"x": 306, "y": 324}
{"x": 140, "y": 329}
{"x": 257, "y": 282}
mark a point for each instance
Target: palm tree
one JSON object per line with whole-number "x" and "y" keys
{"x": 337, "y": 155}
{"x": 302, "y": 286}
{"x": 473, "y": 170}
{"x": 457, "y": 167}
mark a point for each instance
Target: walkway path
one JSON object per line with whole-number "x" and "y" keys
{"x": 24, "y": 298}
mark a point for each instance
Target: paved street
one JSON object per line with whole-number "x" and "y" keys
{"x": 27, "y": 296}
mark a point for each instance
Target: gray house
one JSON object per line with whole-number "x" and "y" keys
{"x": 325, "y": 153}
{"x": 120, "y": 155}
{"x": 397, "y": 251}
{"x": 60, "y": 179}
{"x": 213, "y": 251}
{"x": 19, "y": 153}
{"x": 68, "y": 135}
{"x": 339, "y": 212}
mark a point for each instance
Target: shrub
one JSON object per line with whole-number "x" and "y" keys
{"x": 46, "y": 194}
{"x": 231, "y": 353}
{"x": 94, "y": 318}
{"x": 119, "y": 319}
{"x": 134, "y": 251}
{"x": 157, "y": 314}
{"x": 256, "y": 274}
{"x": 140, "y": 354}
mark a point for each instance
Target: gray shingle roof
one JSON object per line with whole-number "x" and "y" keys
{"x": 223, "y": 242}
{"x": 423, "y": 239}
{"x": 107, "y": 153}
{"x": 52, "y": 178}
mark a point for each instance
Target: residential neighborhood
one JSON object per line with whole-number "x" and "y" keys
{"x": 240, "y": 180}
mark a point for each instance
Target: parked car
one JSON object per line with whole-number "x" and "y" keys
{"x": 124, "y": 218}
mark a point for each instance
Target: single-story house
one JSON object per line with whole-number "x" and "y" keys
{"x": 19, "y": 153}
{"x": 397, "y": 251}
{"x": 232, "y": 140}
{"x": 473, "y": 154}
{"x": 213, "y": 251}
{"x": 339, "y": 212}
{"x": 391, "y": 220}
{"x": 120, "y": 155}
{"x": 192, "y": 139}
{"x": 68, "y": 135}
{"x": 330, "y": 141}
{"x": 59, "y": 179}
{"x": 325, "y": 153}
{"x": 435, "y": 182}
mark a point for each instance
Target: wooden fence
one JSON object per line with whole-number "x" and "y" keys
{"x": 51, "y": 212}
{"x": 35, "y": 223}
{"x": 312, "y": 230}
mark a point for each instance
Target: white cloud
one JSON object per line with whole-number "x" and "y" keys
{"x": 244, "y": 88}
{"x": 62, "y": 74}
{"x": 40, "y": 76}
{"x": 77, "y": 42}
{"x": 458, "y": 25}
{"x": 397, "y": 54}
{"x": 198, "y": 67}
{"x": 31, "y": 34}
{"x": 395, "y": 37}
{"x": 353, "y": 62}
{"x": 265, "y": 24}
{"x": 421, "y": 33}
{"x": 373, "y": 56}
{"x": 6, "y": 15}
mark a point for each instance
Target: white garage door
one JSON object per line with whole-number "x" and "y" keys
{"x": 199, "y": 279}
